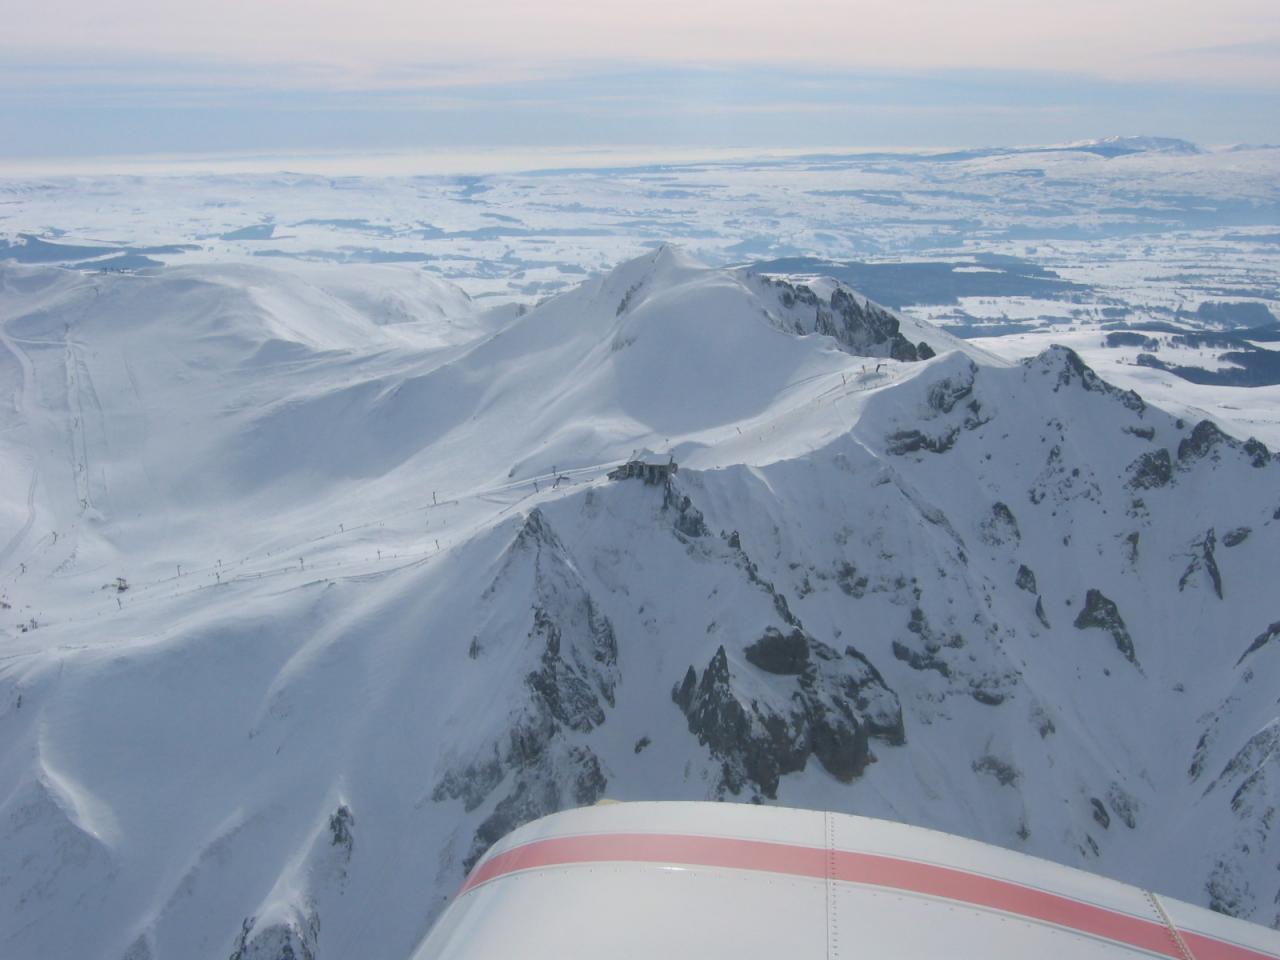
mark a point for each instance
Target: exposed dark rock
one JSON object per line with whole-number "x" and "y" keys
{"x": 1006, "y": 773}
{"x": 1026, "y": 579}
{"x": 839, "y": 741}
{"x": 1132, "y": 539}
{"x": 862, "y": 684}
{"x": 920, "y": 661}
{"x": 1229, "y": 893}
{"x": 924, "y": 351}
{"x": 1152, "y": 469}
{"x": 569, "y": 696}
{"x": 684, "y": 692}
{"x": 1000, "y": 527}
{"x": 625, "y": 302}
{"x": 1203, "y": 557}
{"x": 1204, "y": 440}
{"x": 471, "y": 783}
{"x": 576, "y": 780}
{"x": 988, "y": 697}
{"x": 932, "y": 640}
{"x": 1123, "y": 806}
{"x": 1249, "y": 759}
{"x": 1044, "y": 723}
{"x": 1201, "y": 753}
{"x": 778, "y": 652}
{"x": 1146, "y": 433}
{"x": 340, "y": 824}
{"x": 295, "y": 939}
{"x": 863, "y": 328}
{"x": 1103, "y": 614}
{"x": 641, "y": 744}
{"x": 974, "y": 418}
{"x": 688, "y": 519}
{"x": 1100, "y": 813}
{"x": 1060, "y": 482}
{"x": 1040, "y": 614}
{"x": 756, "y": 745}
{"x": 912, "y": 441}
{"x": 945, "y": 393}
{"x": 571, "y": 684}
{"x": 849, "y": 581}
{"x": 748, "y": 567}
{"x": 1233, "y": 538}
{"x": 1259, "y": 455}
{"x": 1261, "y": 640}
{"x": 1068, "y": 366}
{"x": 828, "y": 711}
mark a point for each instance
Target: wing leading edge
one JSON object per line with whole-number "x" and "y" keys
{"x": 708, "y": 880}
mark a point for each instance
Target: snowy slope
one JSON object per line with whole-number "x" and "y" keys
{"x": 383, "y": 605}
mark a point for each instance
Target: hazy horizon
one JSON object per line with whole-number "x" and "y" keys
{"x": 141, "y": 78}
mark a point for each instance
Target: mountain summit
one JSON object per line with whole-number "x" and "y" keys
{"x": 303, "y": 608}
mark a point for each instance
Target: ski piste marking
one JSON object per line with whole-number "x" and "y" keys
{"x": 867, "y": 869}
{"x": 591, "y": 473}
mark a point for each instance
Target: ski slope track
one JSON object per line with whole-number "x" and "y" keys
{"x": 315, "y": 586}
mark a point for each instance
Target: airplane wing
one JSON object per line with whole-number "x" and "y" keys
{"x": 725, "y": 881}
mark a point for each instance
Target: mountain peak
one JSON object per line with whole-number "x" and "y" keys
{"x": 1119, "y": 146}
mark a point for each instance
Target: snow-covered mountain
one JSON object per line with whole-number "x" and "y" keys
{"x": 1120, "y": 146}
{"x": 315, "y": 585}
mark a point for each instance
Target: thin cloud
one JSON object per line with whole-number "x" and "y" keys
{"x": 384, "y": 42}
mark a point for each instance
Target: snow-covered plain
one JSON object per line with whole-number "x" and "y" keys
{"x": 1044, "y": 243}
{"x": 315, "y": 584}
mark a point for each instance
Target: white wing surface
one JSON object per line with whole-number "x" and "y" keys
{"x": 738, "y": 882}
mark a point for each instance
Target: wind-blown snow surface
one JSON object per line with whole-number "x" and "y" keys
{"x": 379, "y": 603}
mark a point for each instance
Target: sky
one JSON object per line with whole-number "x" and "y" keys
{"x": 84, "y": 79}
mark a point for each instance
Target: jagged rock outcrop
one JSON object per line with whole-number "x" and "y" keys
{"x": 1066, "y": 368}
{"x": 1203, "y": 557}
{"x": 1252, "y": 776}
{"x": 1233, "y": 538}
{"x": 920, "y": 660}
{"x": 294, "y": 938}
{"x": 863, "y": 328}
{"x": 1256, "y": 450}
{"x": 1151, "y": 470}
{"x": 1100, "y": 612}
{"x": 913, "y": 441}
{"x": 1004, "y": 772}
{"x": 1040, "y": 614}
{"x": 1261, "y": 640}
{"x": 946, "y": 392}
{"x": 1026, "y": 579}
{"x": 569, "y": 686}
{"x": 848, "y": 557}
{"x": 1000, "y": 527}
{"x": 933, "y": 642}
{"x": 821, "y": 704}
{"x": 687, "y": 519}
{"x": 780, "y": 653}
{"x": 1100, "y": 813}
{"x": 1208, "y": 440}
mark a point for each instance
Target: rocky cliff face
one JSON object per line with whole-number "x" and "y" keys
{"x": 570, "y": 655}
{"x": 882, "y": 601}
{"x": 1006, "y": 601}
{"x": 862, "y": 327}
